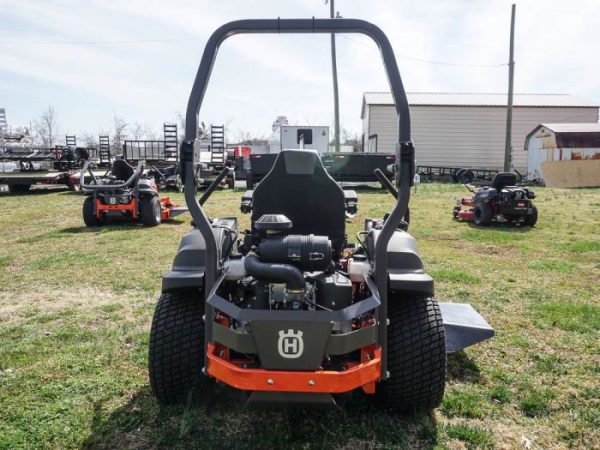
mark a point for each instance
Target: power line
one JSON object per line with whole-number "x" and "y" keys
{"x": 133, "y": 41}
{"x": 429, "y": 61}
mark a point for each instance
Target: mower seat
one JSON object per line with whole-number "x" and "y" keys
{"x": 503, "y": 179}
{"x": 121, "y": 170}
{"x": 299, "y": 187}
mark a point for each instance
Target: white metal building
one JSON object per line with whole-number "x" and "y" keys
{"x": 467, "y": 130}
{"x": 564, "y": 154}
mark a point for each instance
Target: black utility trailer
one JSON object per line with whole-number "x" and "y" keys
{"x": 358, "y": 167}
{"x": 343, "y": 167}
{"x": 454, "y": 174}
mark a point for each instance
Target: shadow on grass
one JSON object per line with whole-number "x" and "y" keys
{"x": 462, "y": 368}
{"x": 73, "y": 193}
{"x": 116, "y": 224}
{"x": 503, "y": 227}
{"x": 223, "y": 422}
{"x": 34, "y": 192}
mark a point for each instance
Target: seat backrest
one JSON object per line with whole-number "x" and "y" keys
{"x": 121, "y": 170}
{"x": 299, "y": 187}
{"x": 503, "y": 179}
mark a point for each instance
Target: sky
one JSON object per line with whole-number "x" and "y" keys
{"x": 137, "y": 59}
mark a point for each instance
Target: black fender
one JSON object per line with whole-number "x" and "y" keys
{"x": 189, "y": 264}
{"x": 190, "y": 261}
{"x": 405, "y": 269}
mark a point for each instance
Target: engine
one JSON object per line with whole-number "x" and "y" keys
{"x": 280, "y": 271}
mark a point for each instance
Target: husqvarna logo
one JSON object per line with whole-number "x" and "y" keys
{"x": 290, "y": 344}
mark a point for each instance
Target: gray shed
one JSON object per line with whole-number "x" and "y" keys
{"x": 467, "y": 130}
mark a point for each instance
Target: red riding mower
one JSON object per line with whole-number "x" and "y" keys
{"x": 502, "y": 202}
{"x": 124, "y": 192}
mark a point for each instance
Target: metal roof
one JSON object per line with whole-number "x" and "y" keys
{"x": 471, "y": 99}
{"x": 571, "y": 127}
{"x": 570, "y": 135}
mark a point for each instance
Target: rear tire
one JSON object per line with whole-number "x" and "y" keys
{"x": 467, "y": 176}
{"x": 231, "y": 182}
{"x": 150, "y": 211}
{"x": 532, "y": 218}
{"x": 483, "y": 215}
{"x": 416, "y": 355}
{"x": 176, "y": 353}
{"x": 89, "y": 217}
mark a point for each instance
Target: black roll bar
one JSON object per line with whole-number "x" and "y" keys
{"x": 404, "y": 147}
{"x": 96, "y": 186}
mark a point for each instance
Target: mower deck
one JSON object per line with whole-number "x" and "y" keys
{"x": 463, "y": 326}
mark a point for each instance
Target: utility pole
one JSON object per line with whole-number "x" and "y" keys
{"x": 336, "y": 100}
{"x": 511, "y": 73}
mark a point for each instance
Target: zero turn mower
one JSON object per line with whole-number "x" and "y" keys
{"x": 502, "y": 202}
{"x": 290, "y": 312}
{"x": 124, "y": 192}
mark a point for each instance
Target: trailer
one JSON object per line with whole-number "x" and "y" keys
{"x": 25, "y": 167}
{"x": 353, "y": 167}
{"x": 20, "y": 182}
{"x": 160, "y": 156}
{"x": 454, "y": 174}
{"x": 214, "y": 157}
{"x": 358, "y": 167}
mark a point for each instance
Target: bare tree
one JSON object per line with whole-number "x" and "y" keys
{"x": 246, "y": 138}
{"x": 119, "y": 136}
{"x": 151, "y": 134}
{"x": 181, "y": 125}
{"x": 46, "y": 127}
{"x": 89, "y": 139}
{"x": 138, "y": 131}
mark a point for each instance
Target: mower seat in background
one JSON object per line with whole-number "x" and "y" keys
{"x": 503, "y": 179}
{"x": 299, "y": 188}
{"x": 121, "y": 170}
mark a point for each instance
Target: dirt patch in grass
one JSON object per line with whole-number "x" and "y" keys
{"x": 40, "y": 305}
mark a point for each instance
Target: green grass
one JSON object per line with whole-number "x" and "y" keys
{"x": 559, "y": 266}
{"x": 500, "y": 394}
{"x": 585, "y": 246}
{"x": 5, "y": 260}
{"x": 567, "y": 316}
{"x": 463, "y": 404}
{"x": 456, "y": 276}
{"x": 536, "y": 403}
{"x": 473, "y": 437}
{"x": 76, "y": 307}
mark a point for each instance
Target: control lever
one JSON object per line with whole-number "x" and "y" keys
{"x": 210, "y": 189}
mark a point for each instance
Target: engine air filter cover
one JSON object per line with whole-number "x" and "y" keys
{"x": 274, "y": 223}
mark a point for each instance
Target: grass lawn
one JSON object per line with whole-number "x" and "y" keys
{"x": 76, "y": 306}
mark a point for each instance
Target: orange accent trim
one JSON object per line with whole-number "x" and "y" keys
{"x": 364, "y": 374}
{"x": 132, "y": 207}
{"x": 165, "y": 208}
